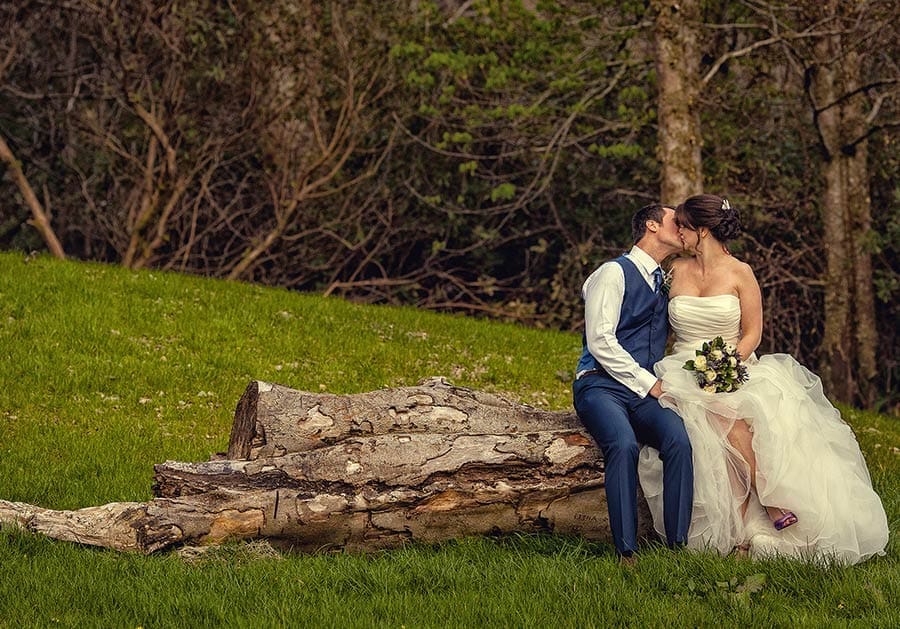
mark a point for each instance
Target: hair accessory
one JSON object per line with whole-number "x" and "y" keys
{"x": 725, "y": 204}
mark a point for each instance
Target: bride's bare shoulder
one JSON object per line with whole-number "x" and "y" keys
{"x": 743, "y": 274}
{"x": 741, "y": 267}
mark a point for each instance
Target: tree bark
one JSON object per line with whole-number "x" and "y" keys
{"x": 271, "y": 419}
{"x": 362, "y": 472}
{"x": 678, "y": 78}
{"x": 848, "y": 356}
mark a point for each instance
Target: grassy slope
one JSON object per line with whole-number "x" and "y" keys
{"x": 106, "y": 372}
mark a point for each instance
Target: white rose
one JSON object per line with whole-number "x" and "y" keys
{"x": 710, "y": 376}
{"x": 730, "y": 349}
{"x": 732, "y": 361}
{"x": 700, "y": 363}
{"x": 716, "y": 354}
{"x": 710, "y": 388}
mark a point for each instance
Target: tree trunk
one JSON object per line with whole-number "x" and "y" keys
{"x": 678, "y": 78}
{"x": 362, "y": 472}
{"x": 848, "y": 352}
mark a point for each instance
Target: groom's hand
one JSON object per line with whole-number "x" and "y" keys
{"x": 656, "y": 391}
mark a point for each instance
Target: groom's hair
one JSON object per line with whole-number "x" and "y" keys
{"x": 652, "y": 212}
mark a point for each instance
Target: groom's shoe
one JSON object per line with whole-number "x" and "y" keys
{"x": 741, "y": 551}
{"x": 628, "y": 561}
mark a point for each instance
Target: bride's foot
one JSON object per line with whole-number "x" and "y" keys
{"x": 781, "y": 519}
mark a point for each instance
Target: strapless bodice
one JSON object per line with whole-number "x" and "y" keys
{"x": 698, "y": 319}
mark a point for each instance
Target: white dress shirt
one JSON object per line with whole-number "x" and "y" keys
{"x": 603, "y": 292}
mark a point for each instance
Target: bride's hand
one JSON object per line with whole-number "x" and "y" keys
{"x": 656, "y": 391}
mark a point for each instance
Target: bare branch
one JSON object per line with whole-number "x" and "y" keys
{"x": 459, "y": 12}
{"x": 864, "y": 88}
{"x": 746, "y": 50}
{"x": 7, "y": 61}
{"x": 153, "y": 122}
{"x": 850, "y": 147}
{"x": 40, "y": 220}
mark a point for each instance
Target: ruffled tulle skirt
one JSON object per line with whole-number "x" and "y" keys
{"x": 808, "y": 461}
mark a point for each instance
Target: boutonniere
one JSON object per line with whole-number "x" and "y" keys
{"x": 666, "y": 282}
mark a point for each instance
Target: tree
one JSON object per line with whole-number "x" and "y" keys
{"x": 851, "y": 80}
{"x": 845, "y": 108}
{"x": 327, "y": 84}
{"x": 675, "y": 35}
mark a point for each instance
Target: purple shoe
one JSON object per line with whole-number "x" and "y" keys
{"x": 785, "y": 521}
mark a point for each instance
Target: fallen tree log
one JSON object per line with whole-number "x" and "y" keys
{"x": 361, "y": 472}
{"x": 271, "y": 419}
{"x": 397, "y": 460}
{"x": 366, "y": 521}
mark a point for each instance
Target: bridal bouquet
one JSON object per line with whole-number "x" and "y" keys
{"x": 717, "y": 367}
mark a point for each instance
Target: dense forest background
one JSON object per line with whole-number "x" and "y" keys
{"x": 470, "y": 156}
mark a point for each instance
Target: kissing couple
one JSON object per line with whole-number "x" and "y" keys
{"x": 768, "y": 468}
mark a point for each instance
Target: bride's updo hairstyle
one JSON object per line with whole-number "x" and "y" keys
{"x": 712, "y": 212}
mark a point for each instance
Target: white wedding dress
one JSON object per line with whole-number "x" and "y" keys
{"x": 808, "y": 459}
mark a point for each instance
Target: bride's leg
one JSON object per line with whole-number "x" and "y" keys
{"x": 741, "y": 439}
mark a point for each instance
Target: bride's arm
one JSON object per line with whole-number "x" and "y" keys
{"x": 751, "y": 311}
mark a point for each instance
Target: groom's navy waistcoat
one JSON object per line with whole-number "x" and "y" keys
{"x": 643, "y": 322}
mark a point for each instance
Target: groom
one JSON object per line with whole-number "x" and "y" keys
{"x": 615, "y": 391}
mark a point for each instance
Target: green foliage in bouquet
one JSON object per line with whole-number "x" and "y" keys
{"x": 718, "y": 367}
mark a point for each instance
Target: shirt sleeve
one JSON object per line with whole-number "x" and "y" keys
{"x": 603, "y": 294}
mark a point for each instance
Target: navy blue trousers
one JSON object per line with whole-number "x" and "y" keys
{"x": 619, "y": 421}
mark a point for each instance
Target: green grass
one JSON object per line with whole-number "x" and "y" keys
{"x": 106, "y": 372}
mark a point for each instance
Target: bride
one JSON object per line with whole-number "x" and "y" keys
{"x": 776, "y": 469}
